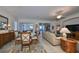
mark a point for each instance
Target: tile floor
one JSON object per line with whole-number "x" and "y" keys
{"x": 46, "y": 47}
{"x": 50, "y": 48}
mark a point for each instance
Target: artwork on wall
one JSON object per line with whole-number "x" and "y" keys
{"x": 3, "y": 22}
{"x": 58, "y": 30}
{"x": 52, "y": 27}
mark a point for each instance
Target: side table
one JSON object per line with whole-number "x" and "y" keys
{"x": 68, "y": 45}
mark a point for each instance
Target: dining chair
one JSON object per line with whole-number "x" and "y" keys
{"x": 25, "y": 40}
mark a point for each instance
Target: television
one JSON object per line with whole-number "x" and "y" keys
{"x": 73, "y": 28}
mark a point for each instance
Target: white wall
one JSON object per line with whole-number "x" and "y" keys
{"x": 8, "y": 15}
{"x": 73, "y": 21}
{"x": 69, "y": 20}
{"x": 35, "y": 21}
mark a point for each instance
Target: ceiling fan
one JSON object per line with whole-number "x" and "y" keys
{"x": 58, "y": 15}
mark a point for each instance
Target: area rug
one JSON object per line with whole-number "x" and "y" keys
{"x": 35, "y": 48}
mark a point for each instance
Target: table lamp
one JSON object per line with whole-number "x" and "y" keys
{"x": 64, "y": 31}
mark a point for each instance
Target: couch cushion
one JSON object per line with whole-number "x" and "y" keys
{"x": 50, "y": 37}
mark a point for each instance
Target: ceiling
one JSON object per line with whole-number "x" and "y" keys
{"x": 40, "y": 12}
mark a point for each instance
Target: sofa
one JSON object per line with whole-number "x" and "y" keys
{"x": 51, "y": 38}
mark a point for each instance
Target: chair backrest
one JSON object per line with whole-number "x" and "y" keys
{"x": 25, "y": 36}
{"x": 16, "y": 34}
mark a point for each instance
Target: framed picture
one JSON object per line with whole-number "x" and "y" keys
{"x": 52, "y": 27}
{"x": 3, "y": 22}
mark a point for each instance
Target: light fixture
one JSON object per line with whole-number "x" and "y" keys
{"x": 9, "y": 25}
{"x": 59, "y": 16}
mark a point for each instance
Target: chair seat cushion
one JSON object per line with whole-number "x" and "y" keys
{"x": 18, "y": 38}
{"x": 34, "y": 37}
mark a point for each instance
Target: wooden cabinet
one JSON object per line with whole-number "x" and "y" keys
{"x": 74, "y": 35}
{"x": 1, "y": 40}
{"x": 68, "y": 45}
{"x": 6, "y": 37}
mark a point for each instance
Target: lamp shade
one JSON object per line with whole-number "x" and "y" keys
{"x": 64, "y": 30}
{"x": 9, "y": 25}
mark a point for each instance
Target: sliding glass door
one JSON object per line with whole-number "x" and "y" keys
{"x": 44, "y": 27}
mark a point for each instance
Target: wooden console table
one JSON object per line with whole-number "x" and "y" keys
{"x": 68, "y": 45}
{"x": 6, "y": 37}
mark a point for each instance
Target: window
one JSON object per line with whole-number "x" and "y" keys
{"x": 25, "y": 27}
{"x": 15, "y": 24}
{"x": 42, "y": 27}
